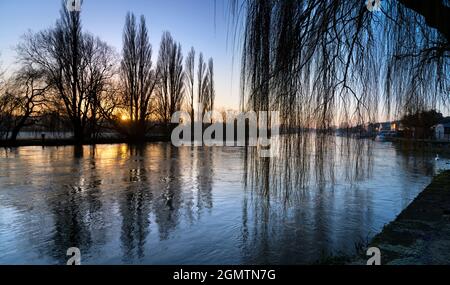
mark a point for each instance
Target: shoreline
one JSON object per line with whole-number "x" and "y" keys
{"x": 72, "y": 142}
{"x": 431, "y": 146}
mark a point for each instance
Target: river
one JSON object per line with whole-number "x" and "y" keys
{"x": 157, "y": 204}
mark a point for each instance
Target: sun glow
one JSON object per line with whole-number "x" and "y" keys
{"x": 124, "y": 118}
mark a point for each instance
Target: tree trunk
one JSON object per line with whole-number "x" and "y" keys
{"x": 16, "y": 130}
{"x": 435, "y": 12}
{"x": 14, "y": 134}
{"x": 78, "y": 133}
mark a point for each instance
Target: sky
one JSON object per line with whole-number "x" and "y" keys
{"x": 203, "y": 24}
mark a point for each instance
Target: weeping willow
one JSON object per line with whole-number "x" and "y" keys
{"x": 327, "y": 63}
{"x": 322, "y": 63}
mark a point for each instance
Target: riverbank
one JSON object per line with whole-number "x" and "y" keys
{"x": 70, "y": 142}
{"x": 420, "y": 235}
{"x": 429, "y": 146}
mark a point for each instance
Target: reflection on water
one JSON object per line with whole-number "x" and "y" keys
{"x": 156, "y": 204}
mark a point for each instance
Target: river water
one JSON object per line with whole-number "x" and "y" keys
{"x": 157, "y": 204}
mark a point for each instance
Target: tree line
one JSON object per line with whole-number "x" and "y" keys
{"x": 72, "y": 76}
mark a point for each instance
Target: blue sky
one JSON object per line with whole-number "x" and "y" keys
{"x": 203, "y": 24}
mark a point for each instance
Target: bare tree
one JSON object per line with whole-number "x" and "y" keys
{"x": 111, "y": 107}
{"x": 138, "y": 76}
{"x": 211, "y": 89}
{"x": 190, "y": 76}
{"x": 76, "y": 65}
{"x": 170, "y": 91}
{"x": 28, "y": 90}
{"x": 4, "y": 114}
{"x": 206, "y": 91}
{"x": 8, "y": 105}
{"x": 2, "y": 79}
{"x": 20, "y": 100}
{"x": 202, "y": 78}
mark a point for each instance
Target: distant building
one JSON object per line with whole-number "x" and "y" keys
{"x": 389, "y": 126}
{"x": 442, "y": 131}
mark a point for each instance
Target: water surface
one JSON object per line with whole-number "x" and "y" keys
{"x": 157, "y": 204}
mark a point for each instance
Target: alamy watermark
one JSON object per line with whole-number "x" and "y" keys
{"x": 75, "y": 256}
{"x": 73, "y": 5}
{"x": 254, "y": 129}
{"x": 375, "y": 256}
{"x": 373, "y": 5}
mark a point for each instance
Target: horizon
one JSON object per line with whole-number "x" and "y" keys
{"x": 212, "y": 34}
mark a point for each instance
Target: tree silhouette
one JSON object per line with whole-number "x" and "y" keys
{"x": 189, "y": 77}
{"x": 138, "y": 76}
{"x": 211, "y": 89}
{"x": 75, "y": 64}
{"x": 170, "y": 91}
{"x": 202, "y": 85}
{"x": 319, "y": 62}
{"x": 28, "y": 89}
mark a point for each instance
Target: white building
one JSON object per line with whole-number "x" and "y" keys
{"x": 442, "y": 131}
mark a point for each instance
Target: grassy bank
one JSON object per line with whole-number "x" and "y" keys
{"x": 421, "y": 233}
